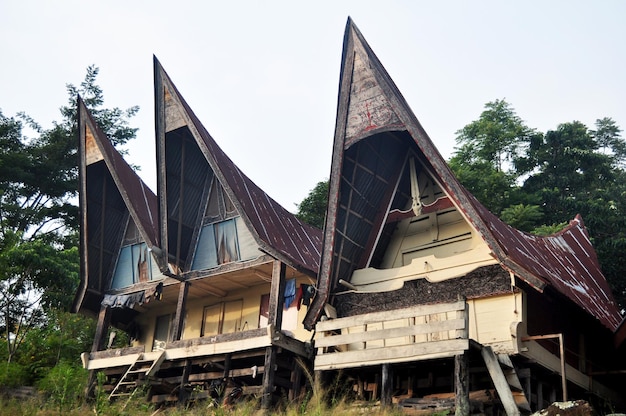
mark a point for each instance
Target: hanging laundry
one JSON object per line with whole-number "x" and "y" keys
{"x": 307, "y": 294}
{"x": 290, "y": 292}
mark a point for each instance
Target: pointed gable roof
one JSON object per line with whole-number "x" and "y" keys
{"x": 110, "y": 192}
{"x": 277, "y": 231}
{"x": 371, "y": 107}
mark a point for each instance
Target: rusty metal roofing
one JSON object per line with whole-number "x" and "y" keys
{"x": 277, "y": 230}
{"x": 370, "y": 110}
{"x": 566, "y": 261}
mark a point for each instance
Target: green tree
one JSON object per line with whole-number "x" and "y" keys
{"x": 491, "y": 154}
{"x": 39, "y": 260}
{"x": 539, "y": 182}
{"x": 571, "y": 171}
{"x": 312, "y": 209}
{"x": 521, "y": 216}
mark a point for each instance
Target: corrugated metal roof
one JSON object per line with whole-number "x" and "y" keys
{"x": 566, "y": 261}
{"x": 280, "y": 233}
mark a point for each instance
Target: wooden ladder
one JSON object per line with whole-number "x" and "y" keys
{"x": 144, "y": 366}
{"x": 506, "y": 382}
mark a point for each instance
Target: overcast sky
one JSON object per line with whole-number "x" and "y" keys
{"x": 262, "y": 76}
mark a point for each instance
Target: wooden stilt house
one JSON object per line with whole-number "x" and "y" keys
{"x": 206, "y": 277}
{"x": 422, "y": 292}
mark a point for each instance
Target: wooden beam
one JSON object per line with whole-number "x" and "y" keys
{"x": 402, "y": 331}
{"x": 461, "y": 385}
{"x": 182, "y": 393}
{"x": 288, "y": 343}
{"x": 561, "y": 355}
{"x": 394, "y": 354}
{"x": 277, "y": 295}
{"x": 420, "y": 310}
{"x": 268, "y": 377}
{"x": 386, "y": 385}
{"x": 499, "y": 381}
{"x": 177, "y": 329}
{"x": 104, "y": 320}
{"x": 227, "y": 361}
{"x": 296, "y": 380}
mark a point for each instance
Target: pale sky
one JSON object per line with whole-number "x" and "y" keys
{"x": 262, "y": 76}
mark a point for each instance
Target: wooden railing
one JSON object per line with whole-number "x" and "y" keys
{"x": 402, "y": 335}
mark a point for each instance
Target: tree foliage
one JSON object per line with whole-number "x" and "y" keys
{"x": 312, "y": 209}
{"x": 39, "y": 259}
{"x": 539, "y": 182}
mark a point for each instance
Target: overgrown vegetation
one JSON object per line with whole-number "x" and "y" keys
{"x": 61, "y": 394}
{"x": 40, "y": 340}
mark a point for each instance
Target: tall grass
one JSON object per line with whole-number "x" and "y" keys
{"x": 61, "y": 393}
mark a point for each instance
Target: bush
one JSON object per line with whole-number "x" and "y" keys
{"x": 13, "y": 375}
{"x": 64, "y": 386}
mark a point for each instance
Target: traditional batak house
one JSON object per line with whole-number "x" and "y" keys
{"x": 207, "y": 277}
{"x": 422, "y": 292}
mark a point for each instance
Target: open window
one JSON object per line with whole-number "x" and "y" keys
{"x": 218, "y": 242}
{"x": 134, "y": 262}
{"x": 134, "y": 265}
{"x": 162, "y": 332}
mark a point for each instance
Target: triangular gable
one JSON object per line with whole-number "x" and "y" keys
{"x": 362, "y": 190}
{"x": 277, "y": 231}
{"x": 111, "y": 195}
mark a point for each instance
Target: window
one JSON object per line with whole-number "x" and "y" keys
{"x": 223, "y": 318}
{"x": 161, "y": 332}
{"x": 217, "y": 245}
{"x": 134, "y": 265}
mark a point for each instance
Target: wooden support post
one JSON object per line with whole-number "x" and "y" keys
{"x": 179, "y": 319}
{"x": 296, "y": 380}
{"x": 562, "y": 357}
{"x": 182, "y": 393}
{"x": 268, "y": 377}
{"x": 277, "y": 295}
{"x": 227, "y": 366}
{"x": 318, "y": 379}
{"x": 386, "y": 385}
{"x": 461, "y": 385}
{"x": 104, "y": 320}
{"x": 499, "y": 381}
{"x": 563, "y": 376}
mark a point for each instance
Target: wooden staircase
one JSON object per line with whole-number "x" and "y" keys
{"x": 146, "y": 365}
{"x": 506, "y": 382}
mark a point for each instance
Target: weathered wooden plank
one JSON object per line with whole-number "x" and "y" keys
{"x": 104, "y": 319}
{"x": 181, "y": 305}
{"x": 396, "y": 354}
{"x": 461, "y": 385}
{"x": 499, "y": 381}
{"x": 216, "y": 339}
{"x": 420, "y": 310}
{"x": 409, "y": 330}
{"x": 288, "y": 343}
{"x": 116, "y": 352}
{"x": 277, "y": 298}
{"x": 268, "y": 377}
{"x": 199, "y": 350}
{"x": 386, "y": 385}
